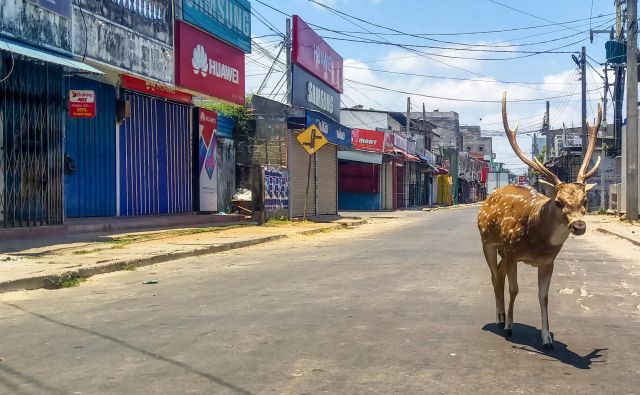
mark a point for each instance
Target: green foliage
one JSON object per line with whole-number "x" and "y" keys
{"x": 242, "y": 115}
{"x": 540, "y": 157}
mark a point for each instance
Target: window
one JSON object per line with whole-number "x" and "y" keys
{"x": 468, "y": 149}
{"x": 480, "y": 148}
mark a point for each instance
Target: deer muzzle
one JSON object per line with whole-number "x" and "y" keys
{"x": 578, "y": 227}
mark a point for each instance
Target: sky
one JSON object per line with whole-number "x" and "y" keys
{"x": 457, "y": 53}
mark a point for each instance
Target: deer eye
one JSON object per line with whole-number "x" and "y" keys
{"x": 559, "y": 204}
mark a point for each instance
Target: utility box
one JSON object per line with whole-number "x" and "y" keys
{"x": 614, "y": 197}
{"x": 616, "y": 52}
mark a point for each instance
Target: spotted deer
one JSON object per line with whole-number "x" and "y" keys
{"x": 522, "y": 225}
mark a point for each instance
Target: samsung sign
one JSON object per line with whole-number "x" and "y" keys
{"x": 311, "y": 93}
{"x": 229, "y": 20}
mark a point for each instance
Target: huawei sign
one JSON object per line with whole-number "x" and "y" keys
{"x": 207, "y": 65}
{"x": 203, "y": 65}
{"x": 199, "y": 61}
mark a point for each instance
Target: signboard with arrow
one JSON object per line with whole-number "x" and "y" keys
{"x": 312, "y": 139}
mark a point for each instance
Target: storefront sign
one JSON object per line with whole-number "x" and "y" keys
{"x": 399, "y": 141}
{"x": 60, "y": 7}
{"x": 367, "y": 140}
{"x": 332, "y": 131}
{"x": 207, "y": 145}
{"x": 276, "y": 189}
{"x": 132, "y": 36}
{"x": 309, "y": 92}
{"x": 207, "y": 65}
{"x": 154, "y": 89}
{"x": 311, "y": 52}
{"x": 229, "y": 20}
{"x": 82, "y": 104}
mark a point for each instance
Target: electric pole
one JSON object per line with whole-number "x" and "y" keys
{"x": 287, "y": 43}
{"x": 583, "y": 77}
{"x": 547, "y": 121}
{"x": 603, "y": 132}
{"x": 631, "y": 151}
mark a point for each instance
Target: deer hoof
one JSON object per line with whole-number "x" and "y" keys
{"x": 501, "y": 325}
{"x": 548, "y": 346}
{"x": 508, "y": 332}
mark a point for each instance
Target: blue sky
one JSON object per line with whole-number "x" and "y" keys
{"x": 531, "y": 78}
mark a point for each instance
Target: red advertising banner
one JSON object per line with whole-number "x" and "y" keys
{"x": 316, "y": 56}
{"x": 207, "y": 65}
{"x": 82, "y": 104}
{"x": 367, "y": 140}
{"x": 155, "y": 89}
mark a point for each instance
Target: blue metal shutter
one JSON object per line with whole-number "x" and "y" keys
{"x": 90, "y": 188}
{"x": 155, "y": 157}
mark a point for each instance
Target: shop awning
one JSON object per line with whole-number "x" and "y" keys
{"x": 361, "y": 156}
{"x": 25, "y": 50}
{"x": 425, "y": 160}
{"x": 406, "y": 156}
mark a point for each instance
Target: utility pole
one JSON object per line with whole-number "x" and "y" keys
{"x": 603, "y": 132}
{"x": 632, "y": 111}
{"x": 407, "y": 173}
{"x": 546, "y": 128}
{"x": 583, "y": 77}
{"x": 287, "y": 43}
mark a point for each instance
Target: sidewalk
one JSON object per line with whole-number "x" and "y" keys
{"x": 62, "y": 261}
{"x": 614, "y": 227}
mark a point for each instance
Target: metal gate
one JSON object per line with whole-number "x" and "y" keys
{"x": 298, "y": 164}
{"x": 90, "y": 156}
{"x": 31, "y": 129}
{"x": 155, "y": 157}
{"x": 327, "y": 182}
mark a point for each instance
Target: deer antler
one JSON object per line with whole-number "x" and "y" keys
{"x": 583, "y": 174}
{"x": 511, "y": 135}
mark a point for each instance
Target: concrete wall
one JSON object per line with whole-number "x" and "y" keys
{"x": 136, "y": 40}
{"x": 23, "y": 20}
{"x": 448, "y": 127}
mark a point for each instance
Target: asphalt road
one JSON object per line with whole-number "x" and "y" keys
{"x": 403, "y": 305}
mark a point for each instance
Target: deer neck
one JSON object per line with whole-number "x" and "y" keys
{"x": 551, "y": 224}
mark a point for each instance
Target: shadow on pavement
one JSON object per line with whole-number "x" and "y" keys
{"x": 527, "y": 337}
{"x": 149, "y": 354}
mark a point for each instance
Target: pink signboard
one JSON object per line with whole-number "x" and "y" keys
{"x": 367, "y": 140}
{"x": 207, "y": 65}
{"x": 312, "y": 53}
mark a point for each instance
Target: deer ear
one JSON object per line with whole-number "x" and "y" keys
{"x": 588, "y": 187}
{"x": 549, "y": 189}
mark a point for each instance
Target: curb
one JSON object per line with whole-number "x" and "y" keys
{"x": 55, "y": 281}
{"x": 610, "y": 233}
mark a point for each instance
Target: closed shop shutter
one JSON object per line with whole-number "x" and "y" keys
{"x": 298, "y": 163}
{"x": 327, "y": 193}
{"x": 155, "y": 157}
{"x": 90, "y": 144}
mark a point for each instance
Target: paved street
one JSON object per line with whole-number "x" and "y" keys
{"x": 401, "y": 305}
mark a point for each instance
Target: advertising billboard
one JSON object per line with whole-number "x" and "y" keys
{"x": 207, "y": 65}
{"x": 229, "y": 20}
{"x": 312, "y": 53}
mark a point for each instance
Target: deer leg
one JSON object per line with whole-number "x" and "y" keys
{"x": 512, "y": 274}
{"x": 544, "y": 280}
{"x": 491, "y": 255}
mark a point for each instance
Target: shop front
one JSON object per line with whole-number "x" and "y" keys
{"x": 362, "y": 180}
{"x": 155, "y": 149}
{"x": 34, "y": 63}
{"x": 319, "y": 171}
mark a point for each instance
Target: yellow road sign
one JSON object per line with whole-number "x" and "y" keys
{"x": 312, "y": 139}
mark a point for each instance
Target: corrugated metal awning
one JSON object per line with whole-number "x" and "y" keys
{"x": 25, "y": 50}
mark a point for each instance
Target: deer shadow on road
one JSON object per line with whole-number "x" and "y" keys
{"x": 527, "y": 337}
